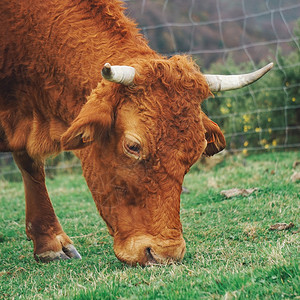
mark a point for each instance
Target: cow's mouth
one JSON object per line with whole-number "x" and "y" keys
{"x": 153, "y": 258}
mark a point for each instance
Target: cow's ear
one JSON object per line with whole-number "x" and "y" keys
{"x": 92, "y": 124}
{"x": 214, "y": 137}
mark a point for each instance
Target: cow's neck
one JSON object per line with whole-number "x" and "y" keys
{"x": 94, "y": 37}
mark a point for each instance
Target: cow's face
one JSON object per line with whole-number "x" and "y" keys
{"x": 143, "y": 140}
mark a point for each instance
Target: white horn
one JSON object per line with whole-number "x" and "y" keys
{"x": 118, "y": 74}
{"x": 218, "y": 83}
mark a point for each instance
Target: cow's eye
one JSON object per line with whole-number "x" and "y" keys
{"x": 132, "y": 147}
{"x": 135, "y": 148}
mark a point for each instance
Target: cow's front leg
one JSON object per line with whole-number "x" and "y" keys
{"x": 42, "y": 226}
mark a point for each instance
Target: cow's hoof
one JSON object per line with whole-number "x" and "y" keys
{"x": 66, "y": 253}
{"x": 71, "y": 251}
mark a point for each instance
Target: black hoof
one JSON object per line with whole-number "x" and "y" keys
{"x": 71, "y": 252}
{"x": 66, "y": 253}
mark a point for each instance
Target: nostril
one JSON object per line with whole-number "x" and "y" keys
{"x": 150, "y": 258}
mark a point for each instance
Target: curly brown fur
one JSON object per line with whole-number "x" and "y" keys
{"x": 52, "y": 98}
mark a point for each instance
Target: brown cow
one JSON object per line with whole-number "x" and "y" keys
{"x": 136, "y": 129}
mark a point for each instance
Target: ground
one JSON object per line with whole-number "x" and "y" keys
{"x": 231, "y": 253}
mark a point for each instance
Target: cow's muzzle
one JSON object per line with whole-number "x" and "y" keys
{"x": 146, "y": 250}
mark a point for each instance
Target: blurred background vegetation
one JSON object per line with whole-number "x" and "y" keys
{"x": 226, "y": 37}
{"x": 231, "y": 37}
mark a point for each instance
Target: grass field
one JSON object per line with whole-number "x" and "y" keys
{"x": 231, "y": 253}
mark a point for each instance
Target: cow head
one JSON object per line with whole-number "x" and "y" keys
{"x": 143, "y": 136}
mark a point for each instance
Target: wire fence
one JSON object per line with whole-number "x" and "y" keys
{"x": 227, "y": 35}
{"x": 244, "y": 33}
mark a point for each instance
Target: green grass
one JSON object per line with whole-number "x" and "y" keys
{"x": 231, "y": 254}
